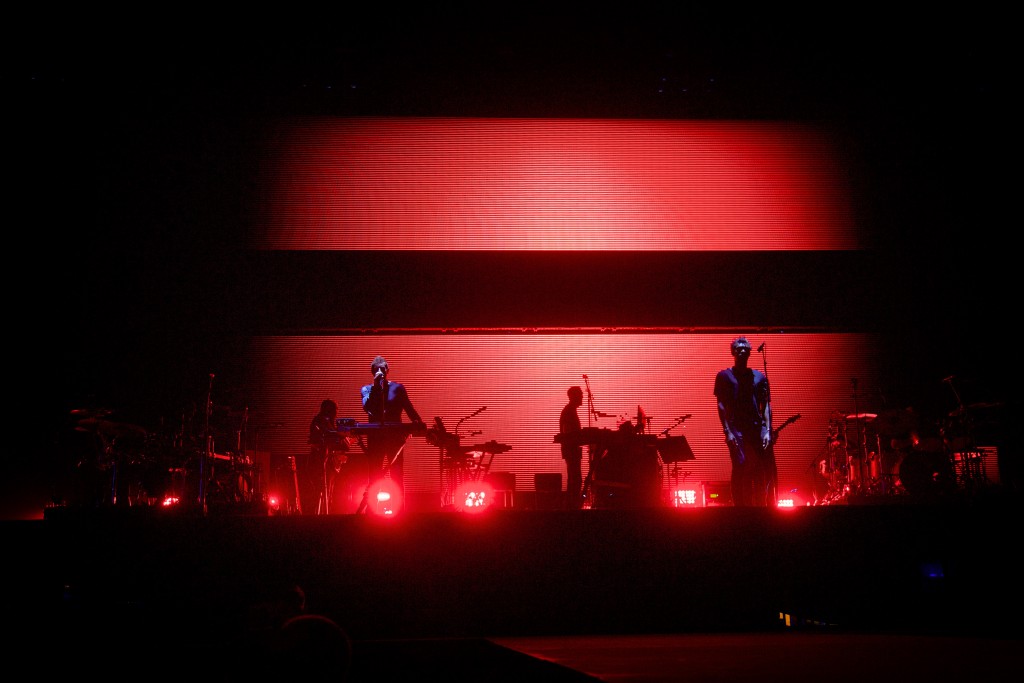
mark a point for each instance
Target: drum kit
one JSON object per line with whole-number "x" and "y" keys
{"x": 892, "y": 453}
{"x": 124, "y": 464}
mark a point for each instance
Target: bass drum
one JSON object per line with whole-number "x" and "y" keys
{"x": 925, "y": 473}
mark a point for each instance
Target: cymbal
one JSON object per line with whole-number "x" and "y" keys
{"x": 974, "y": 406}
{"x": 91, "y": 412}
{"x": 982, "y": 406}
{"x": 108, "y": 428}
{"x": 861, "y": 416}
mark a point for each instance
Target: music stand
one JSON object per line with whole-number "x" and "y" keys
{"x": 673, "y": 450}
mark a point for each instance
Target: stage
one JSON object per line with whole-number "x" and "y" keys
{"x": 150, "y": 584}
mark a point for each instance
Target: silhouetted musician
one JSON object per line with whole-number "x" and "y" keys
{"x": 385, "y": 402}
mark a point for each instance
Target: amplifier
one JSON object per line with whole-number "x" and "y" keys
{"x": 716, "y": 493}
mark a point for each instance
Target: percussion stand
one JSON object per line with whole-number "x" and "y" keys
{"x": 970, "y": 469}
{"x": 206, "y": 456}
{"x": 860, "y": 458}
{"x": 835, "y": 447}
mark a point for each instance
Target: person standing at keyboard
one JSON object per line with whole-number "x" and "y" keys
{"x": 572, "y": 452}
{"x": 328, "y": 454}
{"x": 385, "y": 402}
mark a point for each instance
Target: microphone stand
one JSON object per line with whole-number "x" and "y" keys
{"x": 591, "y": 412}
{"x": 376, "y": 446}
{"x": 679, "y": 421}
{"x": 673, "y": 471}
{"x": 471, "y": 415}
{"x": 770, "y": 466}
{"x": 462, "y": 469}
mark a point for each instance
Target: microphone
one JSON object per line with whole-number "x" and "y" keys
{"x": 760, "y": 348}
{"x": 379, "y": 375}
{"x": 949, "y": 379}
{"x": 585, "y": 377}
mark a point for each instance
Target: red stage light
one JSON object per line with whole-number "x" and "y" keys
{"x": 384, "y": 498}
{"x": 474, "y": 497}
{"x": 686, "y": 498}
{"x": 791, "y": 499}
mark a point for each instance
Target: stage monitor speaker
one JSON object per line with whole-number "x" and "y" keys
{"x": 716, "y": 493}
{"x": 504, "y": 485}
{"x": 548, "y": 488}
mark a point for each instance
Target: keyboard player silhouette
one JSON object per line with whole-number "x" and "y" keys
{"x": 626, "y": 470}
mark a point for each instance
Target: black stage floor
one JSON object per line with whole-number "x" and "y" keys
{"x": 898, "y": 592}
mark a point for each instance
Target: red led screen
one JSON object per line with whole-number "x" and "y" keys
{"x": 551, "y": 184}
{"x": 520, "y": 379}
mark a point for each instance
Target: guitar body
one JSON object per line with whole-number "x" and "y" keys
{"x": 771, "y": 470}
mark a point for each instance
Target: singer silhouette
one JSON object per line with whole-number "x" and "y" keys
{"x": 744, "y": 410}
{"x": 386, "y": 401}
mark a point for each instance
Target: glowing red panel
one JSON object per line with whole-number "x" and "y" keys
{"x": 551, "y": 185}
{"x": 521, "y": 380}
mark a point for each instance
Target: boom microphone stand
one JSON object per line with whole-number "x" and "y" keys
{"x": 591, "y": 412}
{"x": 770, "y": 466}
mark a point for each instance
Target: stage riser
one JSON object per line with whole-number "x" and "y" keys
{"x": 532, "y": 572}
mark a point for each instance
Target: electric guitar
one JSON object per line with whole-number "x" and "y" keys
{"x": 788, "y": 421}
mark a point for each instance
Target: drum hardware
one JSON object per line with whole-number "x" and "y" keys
{"x": 855, "y": 459}
{"x": 923, "y": 472}
{"x": 896, "y": 423}
{"x": 969, "y": 467}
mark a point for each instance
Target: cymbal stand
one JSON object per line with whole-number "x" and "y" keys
{"x": 838, "y": 474}
{"x": 240, "y": 463}
{"x": 206, "y": 456}
{"x": 858, "y": 461}
{"x": 967, "y": 462}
